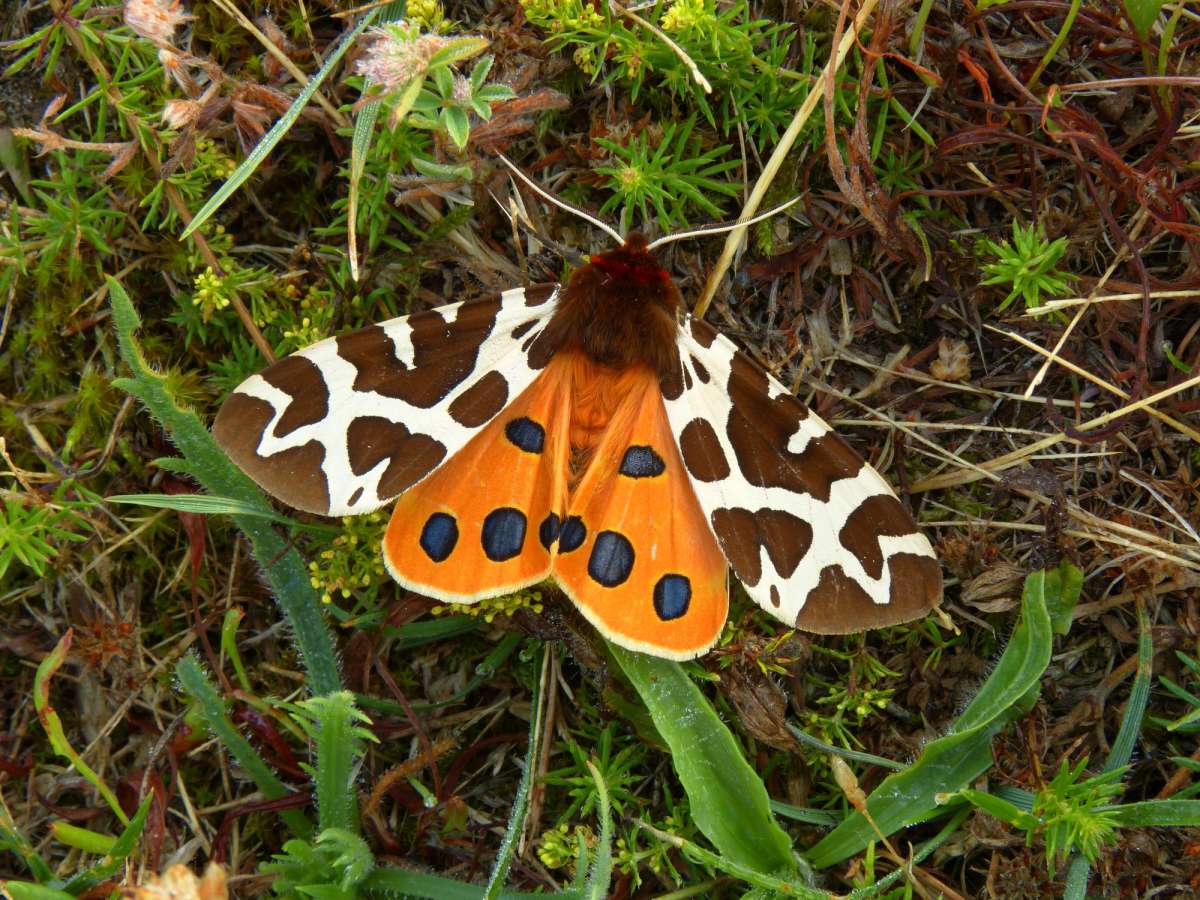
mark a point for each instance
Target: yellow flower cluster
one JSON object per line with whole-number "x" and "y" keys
{"x": 562, "y": 15}
{"x": 341, "y": 569}
{"x": 488, "y": 609}
{"x": 210, "y": 293}
{"x": 684, "y": 15}
{"x": 557, "y": 847}
{"x": 429, "y": 14}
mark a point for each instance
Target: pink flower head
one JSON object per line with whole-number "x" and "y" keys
{"x": 178, "y": 114}
{"x": 397, "y": 54}
{"x": 155, "y": 20}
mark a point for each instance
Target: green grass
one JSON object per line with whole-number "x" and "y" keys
{"x": 150, "y": 593}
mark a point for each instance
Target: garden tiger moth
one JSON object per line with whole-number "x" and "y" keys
{"x": 596, "y": 434}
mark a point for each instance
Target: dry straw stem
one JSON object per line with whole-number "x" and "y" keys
{"x": 782, "y": 149}
{"x": 1051, "y": 306}
{"x": 282, "y": 58}
{"x": 1139, "y": 221}
{"x": 1100, "y": 382}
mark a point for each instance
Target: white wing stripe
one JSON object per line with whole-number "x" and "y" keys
{"x": 711, "y": 401}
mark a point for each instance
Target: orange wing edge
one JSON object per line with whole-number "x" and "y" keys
{"x": 645, "y": 646}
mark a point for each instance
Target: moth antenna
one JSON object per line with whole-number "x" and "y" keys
{"x": 707, "y": 230}
{"x": 562, "y": 204}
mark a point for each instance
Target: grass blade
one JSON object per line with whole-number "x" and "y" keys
{"x": 1139, "y": 695}
{"x": 516, "y": 819}
{"x": 204, "y": 504}
{"x": 1127, "y": 735}
{"x": 600, "y": 874}
{"x": 728, "y": 800}
{"x": 952, "y": 762}
{"x": 120, "y": 850}
{"x": 53, "y": 725}
{"x": 24, "y": 890}
{"x": 1156, "y": 813}
{"x": 212, "y": 709}
{"x": 285, "y": 570}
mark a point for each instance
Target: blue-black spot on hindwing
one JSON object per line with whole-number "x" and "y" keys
{"x": 549, "y": 530}
{"x": 642, "y": 462}
{"x": 439, "y": 536}
{"x": 573, "y": 534}
{"x": 611, "y": 560}
{"x": 672, "y": 594}
{"x": 526, "y": 434}
{"x": 503, "y": 533}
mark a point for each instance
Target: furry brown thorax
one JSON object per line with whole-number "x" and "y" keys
{"x": 621, "y": 309}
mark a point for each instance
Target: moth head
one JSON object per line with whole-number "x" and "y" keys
{"x": 632, "y": 263}
{"x": 628, "y": 277}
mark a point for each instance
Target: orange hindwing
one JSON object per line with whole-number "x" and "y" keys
{"x": 635, "y": 552}
{"x": 471, "y": 529}
{"x": 579, "y": 478}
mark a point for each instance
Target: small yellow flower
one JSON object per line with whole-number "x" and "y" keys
{"x": 585, "y": 58}
{"x": 426, "y": 13}
{"x": 684, "y": 15}
{"x": 210, "y": 292}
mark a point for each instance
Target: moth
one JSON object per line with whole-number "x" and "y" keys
{"x": 595, "y": 433}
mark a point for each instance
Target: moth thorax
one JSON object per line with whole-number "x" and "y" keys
{"x": 621, "y": 309}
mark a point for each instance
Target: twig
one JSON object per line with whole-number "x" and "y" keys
{"x": 697, "y": 75}
{"x": 782, "y": 149}
{"x": 1098, "y": 381}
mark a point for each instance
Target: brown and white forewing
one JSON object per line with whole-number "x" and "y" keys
{"x": 814, "y": 533}
{"x": 347, "y": 424}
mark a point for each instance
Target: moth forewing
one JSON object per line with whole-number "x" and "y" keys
{"x": 344, "y": 426}
{"x": 815, "y": 534}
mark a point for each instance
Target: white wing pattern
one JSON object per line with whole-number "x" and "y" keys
{"x": 813, "y": 532}
{"x": 347, "y": 424}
